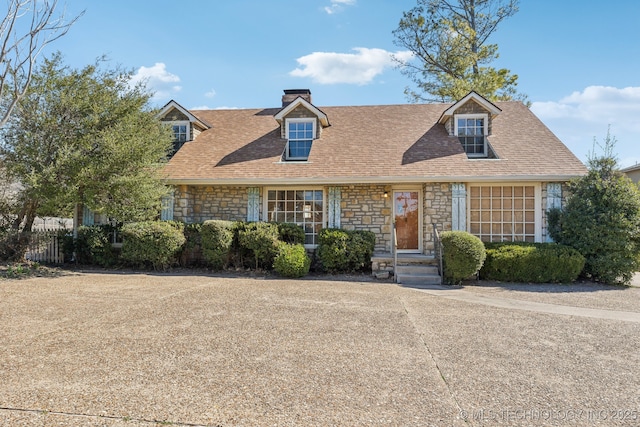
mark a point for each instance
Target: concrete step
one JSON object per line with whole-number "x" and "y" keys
{"x": 417, "y": 269}
{"x": 417, "y": 274}
{"x": 417, "y": 280}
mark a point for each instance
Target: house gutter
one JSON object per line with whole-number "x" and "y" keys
{"x": 369, "y": 180}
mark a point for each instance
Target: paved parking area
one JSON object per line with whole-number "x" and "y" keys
{"x": 145, "y": 350}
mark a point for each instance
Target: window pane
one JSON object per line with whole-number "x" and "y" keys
{"x": 298, "y": 207}
{"x": 502, "y": 213}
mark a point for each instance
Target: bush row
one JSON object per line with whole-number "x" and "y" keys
{"x": 465, "y": 255}
{"x": 532, "y": 262}
{"x": 223, "y": 244}
{"x": 345, "y": 250}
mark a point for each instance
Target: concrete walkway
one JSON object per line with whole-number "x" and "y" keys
{"x": 539, "y": 307}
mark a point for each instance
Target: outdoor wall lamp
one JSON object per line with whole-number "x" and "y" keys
{"x": 386, "y": 194}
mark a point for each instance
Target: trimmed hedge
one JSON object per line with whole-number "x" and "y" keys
{"x": 291, "y": 260}
{"x": 261, "y": 239}
{"x": 532, "y": 262}
{"x": 92, "y": 246}
{"x": 216, "y": 240}
{"x": 290, "y": 233}
{"x": 463, "y": 255}
{"x": 343, "y": 250}
{"x": 152, "y": 243}
{"x": 191, "y": 253}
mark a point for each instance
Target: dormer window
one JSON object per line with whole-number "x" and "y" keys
{"x": 184, "y": 125}
{"x": 471, "y": 130}
{"x": 470, "y": 119}
{"x": 180, "y": 134}
{"x": 300, "y": 135}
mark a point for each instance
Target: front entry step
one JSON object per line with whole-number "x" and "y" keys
{"x": 417, "y": 274}
{"x": 413, "y": 270}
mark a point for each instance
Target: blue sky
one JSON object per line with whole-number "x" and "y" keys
{"x": 578, "y": 61}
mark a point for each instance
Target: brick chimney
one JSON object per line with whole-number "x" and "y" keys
{"x": 291, "y": 94}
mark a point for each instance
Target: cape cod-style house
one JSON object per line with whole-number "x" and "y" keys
{"x": 492, "y": 169}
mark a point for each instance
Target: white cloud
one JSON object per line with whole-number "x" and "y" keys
{"x": 210, "y": 94}
{"x": 337, "y": 5}
{"x": 579, "y": 117}
{"x": 354, "y": 68}
{"x": 159, "y": 80}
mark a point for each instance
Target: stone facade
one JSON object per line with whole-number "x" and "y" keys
{"x": 471, "y": 107}
{"x": 437, "y": 210}
{"x": 300, "y": 112}
{"x": 194, "y": 204}
{"x": 364, "y": 207}
{"x": 174, "y": 115}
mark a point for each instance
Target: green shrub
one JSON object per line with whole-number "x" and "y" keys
{"x": 261, "y": 239}
{"x": 291, "y": 260}
{"x": 463, "y": 255}
{"x": 151, "y": 244}
{"x": 191, "y": 253}
{"x": 93, "y": 246}
{"x": 601, "y": 219}
{"x": 332, "y": 249}
{"x": 360, "y": 249}
{"x": 290, "y": 233}
{"x": 531, "y": 262}
{"x": 343, "y": 250}
{"x": 216, "y": 239}
{"x": 67, "y": 242}
{"x": 11, "y": 246}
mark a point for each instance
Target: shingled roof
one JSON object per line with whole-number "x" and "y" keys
{"x": 367, "y": 144}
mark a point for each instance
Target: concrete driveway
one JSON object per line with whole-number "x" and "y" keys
{"x": 180, "y": 350}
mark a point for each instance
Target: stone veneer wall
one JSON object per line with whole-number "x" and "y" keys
{"x": 300, "y": 112}
{"x": 195, "y": 204}
{"x": 437, "y": 210}
{"x": 364, "y": 207}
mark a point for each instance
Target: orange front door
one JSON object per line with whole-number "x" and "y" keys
{"x": 407, "y": 219}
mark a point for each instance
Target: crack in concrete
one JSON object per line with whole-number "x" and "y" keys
{"x": 435, "y": 363}
{"x": 106, "y": 417}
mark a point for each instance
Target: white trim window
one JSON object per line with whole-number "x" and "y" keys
{"x": 300, "y": 135}
{"x": 471, "y": 130}
{"x": 304, "y": 207}
{"x": 181, "y": 134}
{"x": 499, "y": 213}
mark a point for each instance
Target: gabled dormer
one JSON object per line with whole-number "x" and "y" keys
{"x": 300, "y": 124}
{"x": 185, "y": 126}
{"x": 470, "y": 119}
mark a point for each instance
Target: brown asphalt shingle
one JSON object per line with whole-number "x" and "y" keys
{"x": 384, "y": 143}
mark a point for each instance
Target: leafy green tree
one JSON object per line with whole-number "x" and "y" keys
{"x": 451, "y": 53}
{"x": 602, "y": 220}
{"x": 85, "y": 136}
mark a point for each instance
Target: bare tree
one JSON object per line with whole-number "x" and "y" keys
{"x": 27, "y": 28}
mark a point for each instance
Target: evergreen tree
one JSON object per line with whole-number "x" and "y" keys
{"x": 84, "y": 136}
{"x": 602, "y": 220}
{"x": 451, "y": 53}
